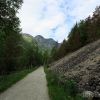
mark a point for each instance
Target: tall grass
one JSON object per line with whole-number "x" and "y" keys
{"x": 62, "y": 91}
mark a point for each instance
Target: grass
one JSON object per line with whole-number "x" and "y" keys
{"x": 62, "y": 91}
{"x": 7, "y": 81}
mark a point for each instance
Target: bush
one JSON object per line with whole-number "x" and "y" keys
{"x": 61, "y": 91}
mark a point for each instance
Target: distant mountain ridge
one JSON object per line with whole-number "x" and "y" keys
{"x": 43, "y": 43}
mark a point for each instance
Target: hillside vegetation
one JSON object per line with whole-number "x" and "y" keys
{"x": 82, "y": 61}
{"x": 17, "y": 51}
{"x": 82, "y": 33}
{"x": 82, "y": 66}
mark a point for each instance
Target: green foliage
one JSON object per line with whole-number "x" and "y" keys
{"x": 46, "y": 57}
{"x": 62, "y": 49}
{"x": 16, "y": 52}
{"x": 9, "y": 35}
{"x": 61, "y": 91}
{"x": 71, "y": 88}
{"x": 31, "y": 54}
{"x": 2, "y": 50}
{"x": 83, "y": 32}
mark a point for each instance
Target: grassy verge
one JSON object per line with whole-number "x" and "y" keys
{"x": 61, "y": 91}
{"x": 8, "y": 80}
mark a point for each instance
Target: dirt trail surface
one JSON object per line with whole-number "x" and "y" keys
{"x": 32, "y": 87}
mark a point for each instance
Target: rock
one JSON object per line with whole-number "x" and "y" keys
{"x": 97, "y": 94}
{"x": 88, "y": 95}
{"x": 98, "y": 87}
{"x": 96, "y": 98}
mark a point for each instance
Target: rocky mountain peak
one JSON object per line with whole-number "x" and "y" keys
{"x": 43, "y": 43}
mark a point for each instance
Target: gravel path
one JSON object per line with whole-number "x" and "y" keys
{"x": 32, "y": 87}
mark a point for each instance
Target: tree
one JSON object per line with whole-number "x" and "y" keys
{"x": 10, "y": 34}
{"x": 53, "y": 53}
{"x": 46, "y": 57}
{"x": 83, "y": 32}
{"x": 74, "y": 38}
{"x": 61, "y": 52}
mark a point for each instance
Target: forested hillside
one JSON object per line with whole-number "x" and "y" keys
{"x": 82, "y": 33}
{"x": 16, "y": 51}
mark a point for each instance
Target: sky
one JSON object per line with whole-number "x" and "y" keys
{"x": 54, "y": 18}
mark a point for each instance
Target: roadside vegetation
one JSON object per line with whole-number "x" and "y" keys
{"x": 8, "y": 80}
{"x": 18, "y": 55}
{"x": 62, "y": 91}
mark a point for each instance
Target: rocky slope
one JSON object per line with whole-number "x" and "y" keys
{"x": 83, "y": 66}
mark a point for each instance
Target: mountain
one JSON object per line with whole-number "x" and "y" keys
{"x": 27, "y": 37}
{"x": 44, "y": 44}
{"x": 83, "y": 66}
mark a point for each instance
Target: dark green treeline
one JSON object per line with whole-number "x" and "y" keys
{"x": 16, "y": 53}
{"x": 82, "y": 33}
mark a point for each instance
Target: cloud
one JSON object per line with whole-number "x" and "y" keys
{"x": 54, "y": 18}
{"x": 81, "y": 9}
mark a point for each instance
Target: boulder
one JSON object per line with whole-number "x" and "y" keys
{"x": 88, "y": 95}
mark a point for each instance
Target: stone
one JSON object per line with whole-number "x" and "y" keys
{"x": 88, "y": 95}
